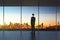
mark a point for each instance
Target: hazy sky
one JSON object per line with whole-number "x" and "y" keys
{"x": 47, "y": 15}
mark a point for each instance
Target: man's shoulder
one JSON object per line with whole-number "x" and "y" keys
{"x": 32, "y": 17}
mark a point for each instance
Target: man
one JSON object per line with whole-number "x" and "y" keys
{"x": 33, "y": 22}
{"x": 33, "y": 27}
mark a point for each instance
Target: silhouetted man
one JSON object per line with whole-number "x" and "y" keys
{"x": 33, "y": 22}
{"x": 33, "y": 27}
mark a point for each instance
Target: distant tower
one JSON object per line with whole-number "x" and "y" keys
{"x": 58, "y": 22}
{"x": 49, "y": 25}
{"x": 42, "y": 25}
{"x": 27, "y": 25}
{"x": 10, "y": 25}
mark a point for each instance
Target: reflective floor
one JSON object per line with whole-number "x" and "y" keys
{"x": 27, "y": 35}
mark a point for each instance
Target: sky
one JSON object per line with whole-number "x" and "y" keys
{"x": 47, "y": 14}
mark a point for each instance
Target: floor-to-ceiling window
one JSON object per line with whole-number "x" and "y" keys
{"x": 12, "y": 16}
{"x": 47, "y": 16}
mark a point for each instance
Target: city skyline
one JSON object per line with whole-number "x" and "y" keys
{"x": 47, "y": 15}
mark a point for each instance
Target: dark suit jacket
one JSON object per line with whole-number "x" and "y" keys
{"x": 32, "y": 21}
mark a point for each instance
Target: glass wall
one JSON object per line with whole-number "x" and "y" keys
{"x": 45, "y": 15}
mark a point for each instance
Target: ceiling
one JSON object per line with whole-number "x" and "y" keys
{"x": 29, "y": 2}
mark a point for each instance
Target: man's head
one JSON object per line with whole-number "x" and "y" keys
{"x": 33, "y": 14}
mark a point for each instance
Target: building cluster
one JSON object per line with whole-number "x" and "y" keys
{"x": 26, "y": 26}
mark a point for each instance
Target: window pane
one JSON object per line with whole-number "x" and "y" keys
{"x": 12, "y": 16}
{"x": 58, "y": 17}
{"x": 47, "y": 17}
{"x": 27, "y": 12}
{"x": 1, "y": 16}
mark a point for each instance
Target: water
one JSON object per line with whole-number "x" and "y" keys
{"x": 26, "y": 35}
